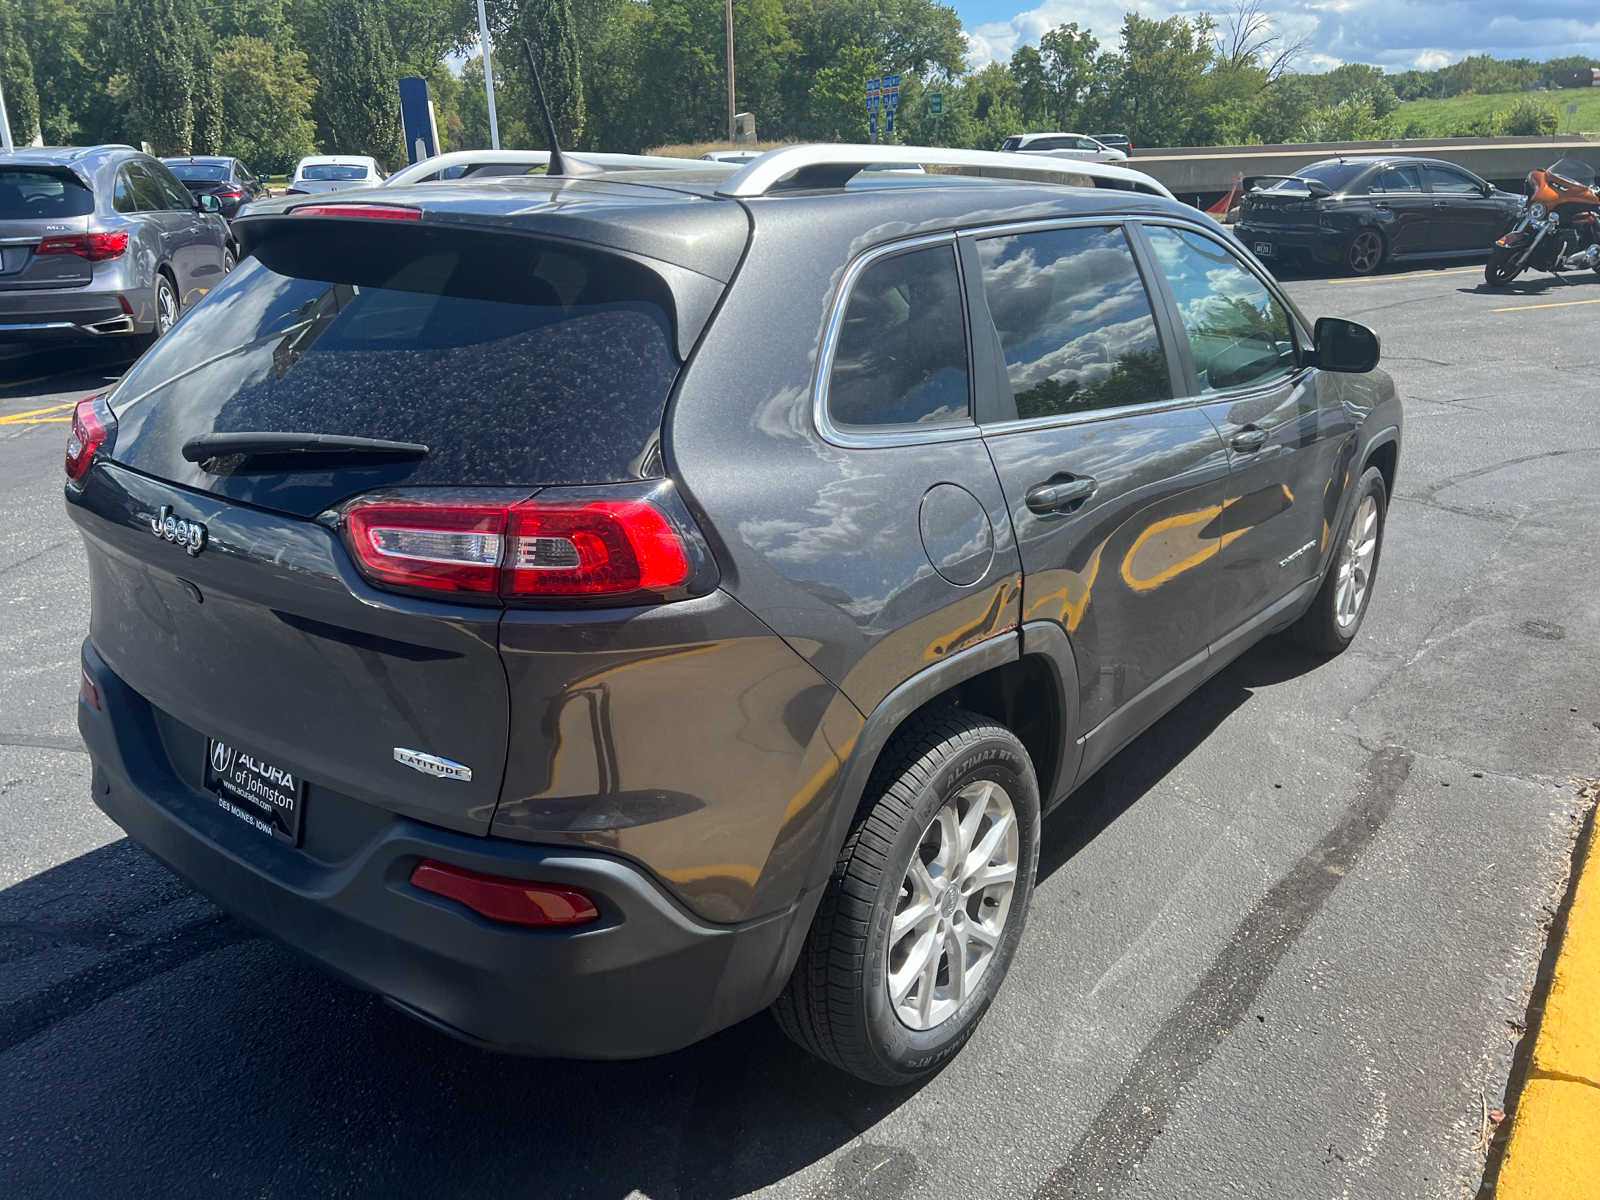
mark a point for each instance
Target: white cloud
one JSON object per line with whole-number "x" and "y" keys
{"x": 1395, "y": 34}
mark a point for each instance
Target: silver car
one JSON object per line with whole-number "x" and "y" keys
{"x": 101, "y": 242}
{"x": 1062, "y": 145}
{"x": 318, "y": 173}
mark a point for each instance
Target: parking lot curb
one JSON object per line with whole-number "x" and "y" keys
{"x": 1551, "y": 1153}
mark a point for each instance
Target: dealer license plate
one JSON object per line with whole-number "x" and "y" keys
{"x": 267, "y": 797}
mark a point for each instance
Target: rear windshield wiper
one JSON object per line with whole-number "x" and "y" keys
{"x": 313, "y": 447}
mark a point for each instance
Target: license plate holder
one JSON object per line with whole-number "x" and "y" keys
{"x": 268, "y": 798}
{"x": 13, "y": 258}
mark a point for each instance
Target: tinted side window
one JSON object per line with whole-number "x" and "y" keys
{"x": 174, "y": 194}
{"x": 1442, "y": 180}
{"x": 1397, "y": 179}
{"x": 1238, "y": 331}
{"x": 147, "y": 194}
{"x": 1053, "y": 143}
{"x": 122, "y": 194}
{"x": 1074, "y": 321}
{"x": 901, "y": 356}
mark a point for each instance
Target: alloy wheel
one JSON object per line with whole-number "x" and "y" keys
{"x": 953, "y": 905}
{"x": 1366, "y": 252}
{"x": 166, "y": 306}
{"x": 1356, "y": 560}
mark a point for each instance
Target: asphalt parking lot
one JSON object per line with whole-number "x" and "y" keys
{"x": 1281, "y": 947}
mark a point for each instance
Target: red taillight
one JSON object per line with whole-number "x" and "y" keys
{"x": 96, "y": 247}
{"x": 604, "y": 547}
{"x": 437, "y": 547}
{"x": 87, "y": 692}
{"x": 91, "y": 420}
{"x": 558, "y": 548}
{"x": 515, "y": 901}
{"x": 387, "y": 212}
{"x": 230, "y": 194}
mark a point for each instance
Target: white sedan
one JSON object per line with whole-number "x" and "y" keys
{"x": 334, "y": 173}
{"x": 1062, "y": 145}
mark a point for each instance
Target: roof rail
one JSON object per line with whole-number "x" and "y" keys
{"x": 826, "y": 166}
{"x": 429, "y": 168}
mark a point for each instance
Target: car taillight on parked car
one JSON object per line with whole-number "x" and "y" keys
{"x": 556, "y": 546}
{"x": 92, "y": 423}
{"x": 96, "y": 247}
{"x": 230, "y": 194}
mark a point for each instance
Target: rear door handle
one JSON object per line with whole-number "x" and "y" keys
{"x": 1249, "y": 439}
{"x": 1059, "y": 494}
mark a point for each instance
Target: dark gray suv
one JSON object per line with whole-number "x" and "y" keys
{"x": 99, "y": 242}
{"x": 588, "y": 611}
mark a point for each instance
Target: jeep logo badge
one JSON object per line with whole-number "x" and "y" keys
{"x": 191, "y": 535}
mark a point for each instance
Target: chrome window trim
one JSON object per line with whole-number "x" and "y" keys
{"x": 865, "y": 437}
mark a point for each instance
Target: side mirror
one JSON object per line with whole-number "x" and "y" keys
{"x": 1488, "y": 190}
{"x": 1344, "y": 346}
{"x": 1317, "y": 188}
{"x": 207, "y": 203}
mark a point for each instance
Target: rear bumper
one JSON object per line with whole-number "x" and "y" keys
{"x": 1290, "y": 241}
{"x": 645, "y": 979}
{"x": 66, "y": 314}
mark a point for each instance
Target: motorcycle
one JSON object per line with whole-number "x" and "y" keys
{"x": 1559, "y": 229}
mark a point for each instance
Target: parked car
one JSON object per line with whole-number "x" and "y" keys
{"x": 228, "y": 179}
{"x": 102, "y": 242}
{"x": 731, "y": 156}
{"x": 1117, "y": 141}
{"x": 1360, "y": 212}
{"x": 1062, "y": 145}
{"x": 319, "y": 173}
{"x": 429, "y": 636}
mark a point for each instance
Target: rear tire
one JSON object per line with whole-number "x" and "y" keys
{"x": 1335, "y": 616}
{"x": 1499, "y": 271}
{"x": 1365, "y": 252}
{"x": 168, "y": 305}
{"x": 913, "y": 892}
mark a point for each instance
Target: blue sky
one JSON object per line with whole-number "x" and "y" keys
{"x": 1394, "y": 34}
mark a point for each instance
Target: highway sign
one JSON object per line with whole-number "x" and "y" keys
{"x": 935, "y": 103}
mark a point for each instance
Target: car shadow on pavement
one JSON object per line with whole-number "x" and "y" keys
{"x": 1146, "y": 761}
{"x": 151, "y": 1045}
{"x": 66, "y": 369}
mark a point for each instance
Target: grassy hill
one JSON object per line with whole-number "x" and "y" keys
{"x": 1456, "y": 116}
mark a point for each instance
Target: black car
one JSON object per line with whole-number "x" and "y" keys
{"x": 1360, "y": 212}
{"x": 228, "y": 179}
{"x": 1117, "y": 141}
{"x": 589, "y": 610}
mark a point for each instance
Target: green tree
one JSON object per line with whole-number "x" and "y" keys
{"x": 1529, "y": 118}
{"x": 266, "y": 102}
{"x": 357, "y": 104}
{"x": 208, "y": 130}
{"x": 548, "y": 28}
{"x": 16, "y": 69}
{"x": 1067, "y": 57}
{"x": 154, "y": 45}
{"x": 1154, "y": 81}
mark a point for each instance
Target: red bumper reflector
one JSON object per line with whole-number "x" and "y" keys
{"x": 514, "y": 901}
{"x": 87, "y": 692}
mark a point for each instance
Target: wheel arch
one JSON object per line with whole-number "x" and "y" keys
{"x": 1383, "y": 452}
{"x": 1026, "y": 680}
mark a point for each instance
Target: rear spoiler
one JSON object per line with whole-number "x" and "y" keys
{"x": 1313, "y": 187}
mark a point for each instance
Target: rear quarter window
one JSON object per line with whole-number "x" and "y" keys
{"x": 42, "y": 195}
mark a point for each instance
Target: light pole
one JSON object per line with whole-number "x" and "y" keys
{"x": 5, "y": 123}
{"x": 488, "y": 76}
{"x": 730, "y": 69}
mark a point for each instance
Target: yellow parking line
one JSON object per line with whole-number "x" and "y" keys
{"x": 1551, "y": 304}
{"x": 20, "y": 419}
{"x": 34, "y": 412}
{"x": 1408, "y": 275}
{"x": 1550, "y": 1154}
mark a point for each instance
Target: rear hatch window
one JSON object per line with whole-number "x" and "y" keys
{"x": 42, "y": 194}
{"x": 515, "y": 361}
